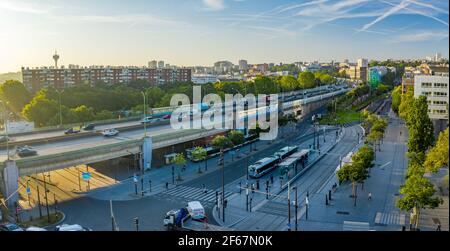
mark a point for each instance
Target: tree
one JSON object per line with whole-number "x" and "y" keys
{"x": 15, "y": 94}
{"x": 288, "y": 83}
{"x": 418, "y": 193}
{"x": 437, "y": 157}
{"x": 421, "y": 132}
{"x": 83, "y": 113}
{"x": 406, "y": 101}
{"x": 180, "y": 161}
{"x": 40, "y": 109}
{"x": 201, "y": 154}
{"x": 221, "y": 142}
{"x": 358, "y": 170}
{"x": 307, "y": 80}
{"x": 237, "y": 137}
{"x": 396, "y": 98}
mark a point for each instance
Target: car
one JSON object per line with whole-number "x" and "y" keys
{"x": 110, "y": 132}
{"x": 71, "y": 131}
{"x": 74, "y": 227}
{"x": 35, "y": 229}
{"x": 146, "y": 120}
{"x": 89, "y": 127}
{"x": 25, "y": 151}
{"x": 168, "y": 116}
{"x": 10, "y": 227}
{"x": 4, "y": 138}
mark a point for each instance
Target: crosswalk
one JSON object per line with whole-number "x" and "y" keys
{"x": 393, "y": 218}
{"x": 195, "y": 193}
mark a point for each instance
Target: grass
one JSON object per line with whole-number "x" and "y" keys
{"x": 43, "y": 221}
{"x": 342, "y": 117}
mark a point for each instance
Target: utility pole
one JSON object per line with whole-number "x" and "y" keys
{"x": 296, "y": 209}
{"x": 46, "y": 199}
{"x": 289, "y": 206}
{"x": 246, "y": 199}
{"x": 113, "y": 223}
{"x": 222, "y": 162}
{"x": 136, "y": 223}
{"x": 39, "y": 200}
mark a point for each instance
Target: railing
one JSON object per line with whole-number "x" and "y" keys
{"x": 158, "y": 140}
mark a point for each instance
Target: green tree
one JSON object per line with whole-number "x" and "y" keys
{"x": 200, "y": 154}
{"x": 396, "y": 98}
{"x": 237, "y": 137}
{"x": 180, "y": 161}
{"x": 288, "y": 83}
{"x": 15, "y": 94}
{"x": 421, "y": 132}
{"x": 437, "y": 157}
{"x": 221, "y": 142}
{"x": 406, "y": 102}
{"x": 417, "y": 193}
{"x": 83, "y": 113}
{"x": 40, "y": 109}
{"x": 307, "y": 80}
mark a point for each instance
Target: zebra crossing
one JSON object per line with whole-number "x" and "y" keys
{"x": 195, "y": 193}
{"x": 393, "y": 218}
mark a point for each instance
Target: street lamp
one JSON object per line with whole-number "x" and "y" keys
{"x": 5, "y": 125}
{"x": 144, "y": 95}
{"x": 60, "y": 106}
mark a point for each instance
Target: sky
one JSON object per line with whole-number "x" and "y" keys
{"x": 201, "y": 32}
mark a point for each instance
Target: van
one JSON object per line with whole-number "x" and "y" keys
{"x": 74, "y": 227}
{"x": 196, "y": 210}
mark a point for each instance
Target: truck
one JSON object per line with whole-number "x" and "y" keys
{"x": 190, "y": 218}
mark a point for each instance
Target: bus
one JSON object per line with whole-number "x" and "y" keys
{"x": 210, "y": 151}
{"x": 262, "y": 166}
{"x": 286, "y": 151}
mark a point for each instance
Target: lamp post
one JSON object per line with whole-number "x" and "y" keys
{"x": 144, "y": 94}
{"x": 5, "y": 125}
{"x": 60, "y": 107}
{"x": 296, "y": 208}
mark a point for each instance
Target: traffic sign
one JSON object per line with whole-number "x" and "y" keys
{"x": 86, "y": 176}
{"x": 28, "y": 190}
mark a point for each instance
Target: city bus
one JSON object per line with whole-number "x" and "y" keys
{"x": 262, "y": 166}
{"x": 286, "y": 151}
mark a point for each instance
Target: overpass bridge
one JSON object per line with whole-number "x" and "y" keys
{"x": 72, "y": 151}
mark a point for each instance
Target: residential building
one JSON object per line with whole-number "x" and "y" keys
{"x": 153, "y": 64}
{"x": 36, "y": 78}
{"x": 161, "y": 64}
{"x": 436, "y": 89}
{"x": 243, "y": 65}
{"x": 204, "y": 78}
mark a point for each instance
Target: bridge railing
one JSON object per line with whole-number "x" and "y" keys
{"x": 158, "y": 141}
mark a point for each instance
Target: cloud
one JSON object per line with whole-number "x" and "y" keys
{"x": 214, "y": 4}
{"x": 420, "y": 36}
{"x": 396, "y": 8}
{"x": 23, "y": 7}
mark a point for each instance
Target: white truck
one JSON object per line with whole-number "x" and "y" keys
{"x": 190, "y": 218}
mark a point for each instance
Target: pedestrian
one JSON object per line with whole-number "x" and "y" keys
{"x": 205, "y": 191}
{"x": 271, "y": 179}
{"x": 167, "y": 185}
{"x": 438, "y": 227}
{"x": 370, "y": 196}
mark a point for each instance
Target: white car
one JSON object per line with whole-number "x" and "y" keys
{"x": 35, "y": 229}
{"x": 110, "y": 132}
{"x": 75, "y": 227}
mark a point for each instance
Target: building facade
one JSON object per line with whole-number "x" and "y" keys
{"x": 36, "y": 78}
{"x": 435, "y": 88}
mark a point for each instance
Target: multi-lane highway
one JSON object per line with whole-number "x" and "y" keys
{"x": 44, "y": 146}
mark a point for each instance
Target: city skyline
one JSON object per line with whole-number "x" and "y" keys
{"x": 201, "y": 32}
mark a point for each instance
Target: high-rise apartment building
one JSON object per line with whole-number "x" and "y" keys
{"x": 36, "y": 78}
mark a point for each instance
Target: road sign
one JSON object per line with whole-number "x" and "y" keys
{"x": 28, "y": 190}
{"x": 86, "y": 176}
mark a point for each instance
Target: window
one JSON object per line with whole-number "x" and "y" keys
{"x": 440, "y": 85}
{"x": 426, "y": 85}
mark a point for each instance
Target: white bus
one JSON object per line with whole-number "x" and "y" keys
{"x": 286, "y": 151}
{"x": 262, "y": 166}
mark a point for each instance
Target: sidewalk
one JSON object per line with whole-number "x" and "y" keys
{"x": 126, "y": 190}
{"x": 238, "y": 210}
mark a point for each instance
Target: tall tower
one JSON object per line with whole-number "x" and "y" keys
{"x": 56, "y": 57}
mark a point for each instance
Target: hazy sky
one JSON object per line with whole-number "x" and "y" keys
{"x": 200, "y": 32}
